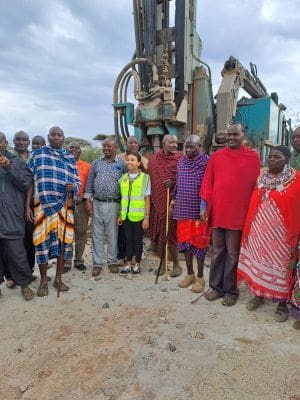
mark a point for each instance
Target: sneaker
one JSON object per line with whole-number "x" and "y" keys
{"x": 187, "y": 281}
{"x": 136, "y": 269}
{"x": 125, "y": 270}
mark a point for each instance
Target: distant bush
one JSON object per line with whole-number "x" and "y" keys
{"x": 90, "y": 154}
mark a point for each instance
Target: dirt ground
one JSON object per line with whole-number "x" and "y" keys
{"x": 124, "y": 338}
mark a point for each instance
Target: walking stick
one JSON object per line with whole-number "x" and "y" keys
{"x": 166, "y": 277}
{"x": 165, "y": 251}
{"x": 60, "y": 259}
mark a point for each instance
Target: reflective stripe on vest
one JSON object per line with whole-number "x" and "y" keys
{"x": 133, "y": 197}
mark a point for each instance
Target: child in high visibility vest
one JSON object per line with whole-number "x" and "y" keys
{"x": 135, "y": 208}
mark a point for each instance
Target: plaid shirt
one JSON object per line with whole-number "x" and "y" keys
{"x": 52, "y": 169}
{"x": 186, "y": 192}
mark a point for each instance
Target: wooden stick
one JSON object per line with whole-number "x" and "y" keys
{"x": 166, "y": 275}
{"x": 60, "y": 259}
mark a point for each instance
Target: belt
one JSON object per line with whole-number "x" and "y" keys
{"x": 107, "y": 200}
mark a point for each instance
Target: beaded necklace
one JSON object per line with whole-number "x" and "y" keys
{"x": 278, "y": 182}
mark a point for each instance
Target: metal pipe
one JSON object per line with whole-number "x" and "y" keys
{"x": 126, "y": 68}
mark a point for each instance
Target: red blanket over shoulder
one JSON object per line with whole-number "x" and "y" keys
{"x": 227, "y": 186}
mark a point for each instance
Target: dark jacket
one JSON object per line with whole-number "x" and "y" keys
{"x": 14, "y": 181}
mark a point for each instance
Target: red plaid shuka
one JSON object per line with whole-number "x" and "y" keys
{"x": 161, "y": 167}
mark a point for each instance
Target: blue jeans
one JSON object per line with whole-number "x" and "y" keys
{"x": 105, "y": 224}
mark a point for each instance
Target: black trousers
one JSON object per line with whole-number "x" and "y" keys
{"x": 13, "y": 255}
{"x": 121, "y": 243}
{"x": 223, "y": 270}
{"x": 28, "y": 243}
{"x": 134, "y": 240}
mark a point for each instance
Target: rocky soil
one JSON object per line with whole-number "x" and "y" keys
{"x": 124, "y": 338}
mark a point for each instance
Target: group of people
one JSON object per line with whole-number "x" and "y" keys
{"x": 250, "y": 216}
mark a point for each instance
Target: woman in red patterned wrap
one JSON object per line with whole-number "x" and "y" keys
{"x": 269, "y": 250}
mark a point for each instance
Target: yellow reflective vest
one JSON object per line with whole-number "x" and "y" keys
{"x": 133, "y": 197}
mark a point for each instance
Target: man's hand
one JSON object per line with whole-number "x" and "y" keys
{"x": 203, "y": 215}
{"x": 171, "y": 208}
{"x": 69, "y": 187}
{"x": 4, "y": 162}
{"x": 28, "y": 214}
{"x": 89, "y": 207}
{"x": 168, "y": 183}
{"x": 145, "y": 223}
{"x": 119, "y": 220}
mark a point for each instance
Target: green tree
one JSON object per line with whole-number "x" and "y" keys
{"x": 82, "y": 142}
{"x": 90, "y": 154}
{"x": 102, "y": 136}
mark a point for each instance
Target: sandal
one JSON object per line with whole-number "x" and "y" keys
{"x": 42, "y": 290}
{"x": 296, "y": 324}
{"x": 229, "y": 301}
{"x": 63, "y": 286}
{"x": 282, "y": 313}
{"x": 27, "y": 293}
{"x": 254, "y": 303}
{"x": 10, "y": 284}
{"x": 80, "y": 267}
{"x": 66, "y": 269}
{"x": 212, "y": 295}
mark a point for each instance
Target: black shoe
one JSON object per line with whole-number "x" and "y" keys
{"x": 81, "y": 267}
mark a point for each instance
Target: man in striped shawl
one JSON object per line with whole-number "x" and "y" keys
{"x": 55, "y": 174}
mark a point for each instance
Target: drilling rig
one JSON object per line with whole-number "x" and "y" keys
{"x": 172, "y": 86}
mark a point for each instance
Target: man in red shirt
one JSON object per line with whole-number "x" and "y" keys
{"x": 80, "y": 217}
{"x": 226, "y": 189}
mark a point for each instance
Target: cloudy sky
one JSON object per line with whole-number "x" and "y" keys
{"x": 60, "y": 58}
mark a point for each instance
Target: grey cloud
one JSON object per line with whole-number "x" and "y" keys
{"x": 60, "y": 58}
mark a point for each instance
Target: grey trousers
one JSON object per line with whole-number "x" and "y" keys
{"x": 223, "y": 270}
{"x": 81, "y": 220}
{"x": 14, "y": 254}
{"x": 105, "y": 224}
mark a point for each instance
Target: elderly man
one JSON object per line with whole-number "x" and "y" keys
{"x": 81, "y": 217}
{"x": 21, "y": 145}
{"x": 103, "y": 187}
{"x": 162, "y": 168}
{"x": 56, "y": 178}
{"x": 229, "y": 180}
{"x": 186, "y": 208}
{"x": 133, "y": 145}
{"x": 15, "y": 178}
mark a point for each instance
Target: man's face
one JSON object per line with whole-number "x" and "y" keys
{"x": 191, "y": 149}
{"x": 56, "y": 138}
{"x": 3, "y": 144}
{"x": 37, "y": 143}
{"x": 296, "y": 140}
{"x": 276, "y": 161}
{"x": 132, "y": 144}
{"x": 235, "y": 136}
{"x": 109, "y": 149}
{"x": 75, "y": 149}
{"x": 21, "y": 142}
{"x": 170, "y": 146}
